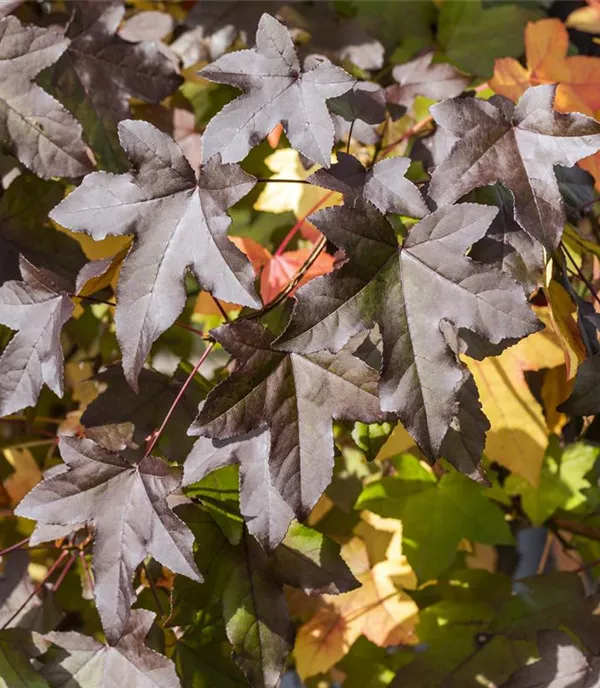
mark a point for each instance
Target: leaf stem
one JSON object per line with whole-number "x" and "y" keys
{"x": 185, "y": 385}
{"x": 350, "y": 137}
{"x": 271, "y": 180}
{"x": 290, "y": 235}
{"x": 13, "y": 548}
{"x": 421, "y": 124}
{"x": 222, "y": 311}
{"x": 86, "y": 570}
{"x": 154, "y": 593}
{"x": 36, "y": 590}
{"x": 63, "y": 573}
{"x": 580, "y": 274}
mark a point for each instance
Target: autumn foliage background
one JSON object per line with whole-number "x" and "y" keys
{"x": 451, "y": 552}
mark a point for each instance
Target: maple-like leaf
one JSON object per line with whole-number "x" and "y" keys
{"x": 147, "y": 409}
{"x": 297, "y": 397}
{"x": 100, "y": 71}
{"x": 126, "y": 502}
{"x": 276, "y": 271}
{"x": 365, "y": 101}
{"x": 421, "y": 78}
{"x": 276, "y": 90}
{"x": 25, "y": 230}
{"x": 418, "y": 295}
{"x": 81, "y": 660}
{"x": 517, "y": 146}
{"x": 380, "y": 609}
{"x": 383, "y": 184}
{"x": 561, "y": 665}
{"x": 34, "y": 126}
{"x": 37, "y": 307}
{"x": 180, "y": 222}
{"x": 546, "y": 48}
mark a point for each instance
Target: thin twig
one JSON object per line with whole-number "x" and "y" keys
{"x": 154, "y": 593}
{"x": 587, "y": 205}
{"x": 36, "y": 590}
{"x": 291, "y": 285}
{"x": 13, "y": 548}
{"x": 271, "y": 180}
{"x": 189, "y": 328}
{"x": 185, "y": 385}
{"x": 350, "y": 137}
{"x": 63, "y": 573}
{"x": 290, "y": 235}
{"x": 577, "y": 528}
{"x": 222, "y": 311}
{"x": 408, "y": 133}
{"x": 546, "y": 553}
{"x": 93, "y": 299}
{"x": 580, "y": 274}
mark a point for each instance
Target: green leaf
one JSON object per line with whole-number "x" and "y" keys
{"x": 219, "y": 494}
{"x": 203, "y": 654}
{"x": 16, "y": 648}
{"x": 370, "y": 437}
{"x": 561, "y": 481}
{"x": 436, "y": 517}
{"x": 473, "y": 38}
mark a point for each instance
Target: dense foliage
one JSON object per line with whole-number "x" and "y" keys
{"x": 299, "y": 364}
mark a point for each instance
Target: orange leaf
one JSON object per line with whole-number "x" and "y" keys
{"x": 546, "y": 46}
{"x": 280, "y": 270}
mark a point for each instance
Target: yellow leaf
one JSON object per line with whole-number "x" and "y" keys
{"x": 380, "y": 609}
{"x": 562, "y": 313}
{"x": 586, "y": 18}
{"x": 518, "y": 435}
{"x": 555, "y": 389}
{"x": 26, "y": 474}
{"x": 398, "y": 442}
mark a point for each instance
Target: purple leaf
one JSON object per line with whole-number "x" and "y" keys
{"x": 419, "y": 295}
{"x": 179, "y": 221}
{"x": 126, "y": 503}
{"x": 517, "y": 146}
{"x": 34, "y": 126}
{"x": 37, "y": 307}
{"x": 296, "y": 397}
{"x": 275, "y": 90}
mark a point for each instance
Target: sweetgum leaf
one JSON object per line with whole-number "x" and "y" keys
{"x": 78, "y": 659}
{"x": 126, "y": 502}
{"x": 37, "y": 307}
{"x": 561, "y": 665}
{"x": 100, "y": 71}
{"x": 180, "y": 222}
{"x": 421, "y": 78}
{"x": 24, "y": 207}
{"x": 517, "y": 146}
{"x": 383, "y": 184}
{"x": 147, "y": 409}
{"x": 275, "y": 90}
{"x": 419, "y": 295}
{"x": 296, "y": 397}
{"x": 34, "y": 126}
{"x": 365, "y": 101}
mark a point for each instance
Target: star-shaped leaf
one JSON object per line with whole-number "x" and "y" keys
{"x": 127, "y": 504}
{"x": 96, "y": 57}
{"x": 517, "y": 146}
{"x": 383, "y": 184}
{"x": 419, "y": 295}
{"x": 276, "y": 90}
{"x": 180, "y": 222}
{"x": 295, "y": 396}
{"x": 37, "y": 307}
{"x": 421, "y": 78}
{"x": 34, "y": 126}
{"x": 80, "y": 660}
{"x": 25, "y": 230}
